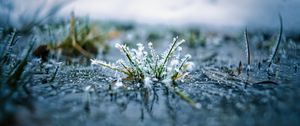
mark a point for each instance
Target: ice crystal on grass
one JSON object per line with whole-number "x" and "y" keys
{"x": 145, "y": 65}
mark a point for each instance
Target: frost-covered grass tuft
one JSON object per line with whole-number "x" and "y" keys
{"x": 147, "y": 65}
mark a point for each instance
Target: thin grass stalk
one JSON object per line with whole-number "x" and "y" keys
{"x": 128, "y": 55}
{"x": 278, "y": 42}
{"x": 110, "y": 67}
{"x": 247, "y": 47}
{"x": 174, "y": 77}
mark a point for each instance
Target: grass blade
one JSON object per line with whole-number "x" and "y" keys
{"x": 247, "y": 46}
{"x": 275, "y": 50}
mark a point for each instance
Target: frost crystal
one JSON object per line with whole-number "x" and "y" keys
{"x": 119, "y": 83}
{"x": 147, "y": 82}
{"x": 190, "y": 66}
{"x": 146, "y": 65}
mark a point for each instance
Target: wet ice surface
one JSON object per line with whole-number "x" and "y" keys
{"x": 81, "y": 95}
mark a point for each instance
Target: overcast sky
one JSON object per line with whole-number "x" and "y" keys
{"x": 260, "y": 14}
{"x": 235, "y": 13}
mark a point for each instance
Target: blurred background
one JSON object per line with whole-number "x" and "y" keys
{"x": 210, "y": 14}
